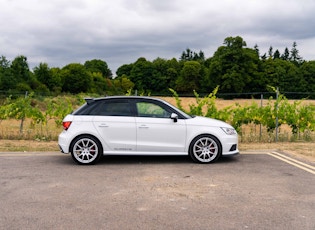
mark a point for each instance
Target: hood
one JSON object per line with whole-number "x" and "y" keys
{"x": 205, "y": 121}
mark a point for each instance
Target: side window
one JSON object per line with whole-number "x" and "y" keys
{"x": 146, "y": 109}
{"x": 114, "y": 109}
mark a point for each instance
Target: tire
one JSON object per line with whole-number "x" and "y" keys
{"x": 205, "y": 149}
{"x": 86, "y": 150}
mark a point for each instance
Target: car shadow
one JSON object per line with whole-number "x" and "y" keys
{"x": 121, "y": 160}
{"x": 158, "y": 160}
{"x": 144, "y": 160}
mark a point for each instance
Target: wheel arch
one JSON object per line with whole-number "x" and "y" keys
{"x": 82, "y": 135}
{"x": 191, "y": 141}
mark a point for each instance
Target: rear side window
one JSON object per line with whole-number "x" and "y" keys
{"x": 86, "y": 109}
{"x": 106, "y": 108}
{"x": 114, "y": 109}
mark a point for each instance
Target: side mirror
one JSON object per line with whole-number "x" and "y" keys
{"x": 174, "y": 116}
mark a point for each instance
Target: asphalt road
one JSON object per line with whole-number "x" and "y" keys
{"x": 249, "y": 191}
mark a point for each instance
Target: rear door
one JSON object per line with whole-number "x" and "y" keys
{"x": 115, "y": 123}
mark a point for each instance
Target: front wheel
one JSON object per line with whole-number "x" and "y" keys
{"x": 205, "y": 149}
{"x": 86, "y": 150}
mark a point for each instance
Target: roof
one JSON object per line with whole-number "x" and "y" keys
{"x": 90, "y": 100}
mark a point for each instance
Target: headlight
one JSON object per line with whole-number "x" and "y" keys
{"x": 229, "y": 131}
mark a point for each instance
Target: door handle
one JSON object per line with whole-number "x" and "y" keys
{"x": 103, "y": 125}
{"x": 143, "y": 127}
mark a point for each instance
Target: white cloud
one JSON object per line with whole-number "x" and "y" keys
{"x": 61, "y": 32}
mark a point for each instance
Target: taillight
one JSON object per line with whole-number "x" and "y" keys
{"x": 66, "y": 125}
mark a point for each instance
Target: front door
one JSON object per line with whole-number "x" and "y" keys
{"x": 157, "y": 132}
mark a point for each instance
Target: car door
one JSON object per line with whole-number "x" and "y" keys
{"x": 116, "y": 125}
{"x": 156, "y": 131}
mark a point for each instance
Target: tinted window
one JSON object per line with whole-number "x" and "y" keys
{"x": 87, "y": 109}
{"x": 147, "y": 109}
{"x": 114, "y": 109}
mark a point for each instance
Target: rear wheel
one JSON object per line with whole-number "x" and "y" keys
{"x": 86, "y": 150}
{"x": 205, "y": 149}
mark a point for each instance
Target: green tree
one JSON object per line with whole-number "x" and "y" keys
{"x": 98, "y": 83}
{"x": 270, "y": 52}
{"x": 233, "y": 66}
{"x": 42, "y": 73}
{"x": 156, "y": 76}
{"x": 98, "y": 66}
{"x": 286, "y": 55}
{"x": 161, "y": 78}
{"x": 4, "y": 63}
{"x": 76, "y": 78}
{"x": 254, "y": 69}
{"x": 282, "y": 74}
{"x": 44, "y": 76}
{"x": 141, "y": 75}
{"x": 295, "y": 57}
{"x": 172, "y": 72}
{"x": 189, "y": 77}
{"x": 189, "y": 55}
{"x": 124, "y": 70}
{"x": 290, "y": 82}
{"x": 7, "y": 80}
{"x": 308, "y": 73}
{"x": 25, "y": 78}
{"x": 20, "y": 69}
{"x": 256, "y": 48}
{"x": 123, "y": 84}
{"x": 234, "y": 42}
{"x": 276, "y": 54}
{"x": 56, "y": 82}
{"x": 273, "y": 71}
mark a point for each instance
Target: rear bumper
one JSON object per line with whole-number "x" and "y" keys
{"x": 63, "y": 143}
{"x": 61, "y": 150}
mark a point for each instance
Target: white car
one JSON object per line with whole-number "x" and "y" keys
{"x": 133, "y": 125}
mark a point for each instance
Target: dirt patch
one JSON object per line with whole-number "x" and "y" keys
{"x": 28, "y": 146}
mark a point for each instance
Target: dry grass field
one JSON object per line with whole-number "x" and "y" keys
{"x": 221, "y": 103}
{"x": 43, "y": 138}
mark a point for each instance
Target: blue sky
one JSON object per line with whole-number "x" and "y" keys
{"x": 60, "y": 32}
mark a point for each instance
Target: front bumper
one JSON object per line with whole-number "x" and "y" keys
{"x": 230, "y": 145}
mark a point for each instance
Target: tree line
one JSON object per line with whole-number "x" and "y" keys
{"x": 234, "y": 67}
